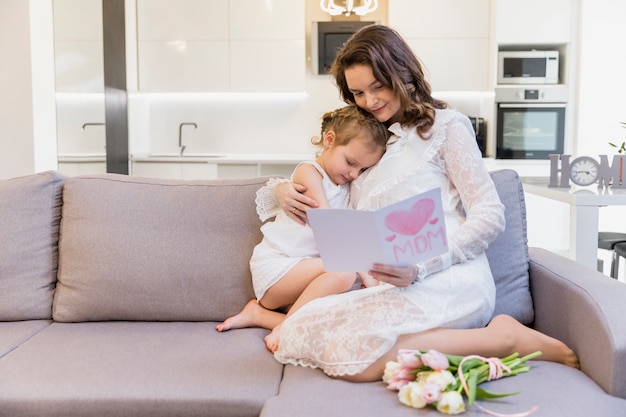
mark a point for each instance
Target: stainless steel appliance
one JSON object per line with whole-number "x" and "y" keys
{"x": 528, "y": 67}
{"x": 530, "y": 121}
{"x": 480, "y": 129}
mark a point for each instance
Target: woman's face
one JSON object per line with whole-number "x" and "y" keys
{"x": 371, "y": 95}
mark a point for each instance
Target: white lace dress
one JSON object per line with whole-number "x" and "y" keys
{"x": 345, "y": 333}
{"x": 286, "y": 242}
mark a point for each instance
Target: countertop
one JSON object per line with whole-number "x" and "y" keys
{"x": 212, "y": 158}
{"x": 224, "y": 158}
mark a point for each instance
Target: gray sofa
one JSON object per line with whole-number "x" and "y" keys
{"x": 111, "y": 287}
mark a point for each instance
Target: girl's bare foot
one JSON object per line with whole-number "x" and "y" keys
{"x": 526, "y": 340}
{"x": 272, "y": 339}
{"x": 245, "y": 318}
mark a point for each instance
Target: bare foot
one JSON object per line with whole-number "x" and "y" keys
{"x": 245, "y": 318}
{"x": 526, "y": 340}
{"x": 272, "y": 339}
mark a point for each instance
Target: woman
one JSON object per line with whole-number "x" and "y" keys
{"x": 434, "y": 304}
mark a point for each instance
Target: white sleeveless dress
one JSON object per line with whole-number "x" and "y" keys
{"x": 345, "y": 333}
{"x": 286, "y": 242}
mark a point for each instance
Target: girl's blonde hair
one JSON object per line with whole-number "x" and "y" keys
{"x": 349, "y": 122}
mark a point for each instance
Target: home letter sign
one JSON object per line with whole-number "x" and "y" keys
{"x": 585, "y": 170}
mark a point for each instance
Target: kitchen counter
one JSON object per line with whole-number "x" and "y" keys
{"x": 224, "y": 158}
{"x": 82, "y": 157}
{"x": 214, "y": 165}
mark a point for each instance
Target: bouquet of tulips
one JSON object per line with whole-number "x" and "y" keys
{"x": 425, "y": 378}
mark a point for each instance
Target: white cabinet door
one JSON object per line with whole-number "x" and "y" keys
{"x": 268, "y": 66}
{"x": 267, "y": 46}
{"x": 463, "y": 66}
{"x": 170, "y": 20}
{"x": 78, "y": 53}
{"x": 182, "y": 45}
{"x": 221, "y": 45}
{"x": 82, "y": 168}
{"x": 533, "y": 22}
{"x": 156, "y": 170}
{"x": 174, "y": 170}
{"x": 264, "y": 20}
{"x": 450, "y": 37}
{"x": 183, "y": 66}
{"x": 440, "y": 18}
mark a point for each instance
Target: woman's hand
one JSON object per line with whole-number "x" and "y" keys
{"x": 395, "y": 275}
{"x": 291, "y": 199}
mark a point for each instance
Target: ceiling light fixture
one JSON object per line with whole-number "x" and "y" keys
{"x": 366, "y": 7}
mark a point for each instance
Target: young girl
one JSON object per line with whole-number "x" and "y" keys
{"x": 286, "y": 269}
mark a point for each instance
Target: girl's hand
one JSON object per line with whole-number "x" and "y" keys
{"x": 394, "y": 275}
{"x": 368, "y": 280}
{"x": 293, "y": 202}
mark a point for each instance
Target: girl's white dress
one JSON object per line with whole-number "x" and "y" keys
{"x": 286, "y": 242}
{"x": 345, "y": 333}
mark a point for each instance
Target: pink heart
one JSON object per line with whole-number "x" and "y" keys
{"x": 410, "y": 222}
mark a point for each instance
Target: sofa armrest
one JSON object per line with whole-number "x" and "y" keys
{"x": 584, "y": 309}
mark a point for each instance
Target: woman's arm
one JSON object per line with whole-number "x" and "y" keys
{"x": 483, "y": 209}
{"x": 462, "y": 161}
{"x": 283, "y": 194}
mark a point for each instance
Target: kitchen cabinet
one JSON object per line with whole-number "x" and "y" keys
{"x": 451, "y": 38}
{"x": 72, "y": 165}
{"x": 533, "y": 22}
{"x": 221, "y": 46}
{"x": 79, "y": 83}
{"x": 223, "y": 166}
{"x": 175, "y": 170}
{"x": 78, "y": 52}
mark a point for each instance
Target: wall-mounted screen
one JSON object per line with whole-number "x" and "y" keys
{"x": 327, "y": 38}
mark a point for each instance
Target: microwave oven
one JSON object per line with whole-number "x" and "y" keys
{"x": 528, "y": 67}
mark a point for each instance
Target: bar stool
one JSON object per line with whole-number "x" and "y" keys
{"x": 609, "y": 241}
{"x": 619, "y": 250}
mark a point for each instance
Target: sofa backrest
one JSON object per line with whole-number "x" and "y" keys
{"x": 133, "y": 248}
{"x": 136, "y": 248}
{"x": 508, "y": 254}
{"x": 30, "y": 208}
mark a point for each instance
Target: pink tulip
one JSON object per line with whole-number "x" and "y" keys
{"x": 435, "y": 360}
{"x": 409, "y": 358}
{"x": 396, "y": 376}
{"x": 431, "y": 393}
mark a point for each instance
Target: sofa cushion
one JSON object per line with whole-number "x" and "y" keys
{"x": 139, "y": 369}
{"x": 14, "y": 333}
{"x": 508, "y": 254}
{"x": 557, "y": 390}
{"x": 147, "y": 249}
{"x": 29, "y": 227}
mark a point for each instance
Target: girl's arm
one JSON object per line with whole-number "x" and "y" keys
{"x": 308, "y": 176}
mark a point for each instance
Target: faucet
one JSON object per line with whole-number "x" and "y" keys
{"x": 91, "y": 124}
{"x": 180, "y": 135}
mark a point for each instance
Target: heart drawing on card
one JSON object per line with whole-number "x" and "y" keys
{"x": 410, "y": 222}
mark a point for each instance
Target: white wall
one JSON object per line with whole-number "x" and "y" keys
{"x": 27, "y": 107}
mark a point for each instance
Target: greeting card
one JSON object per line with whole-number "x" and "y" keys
{"x": 401, "y": 234}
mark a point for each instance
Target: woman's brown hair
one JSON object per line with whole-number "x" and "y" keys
{"x": 395, "y": 66}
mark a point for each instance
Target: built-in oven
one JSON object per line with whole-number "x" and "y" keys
{"x": 530, "y": 122}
